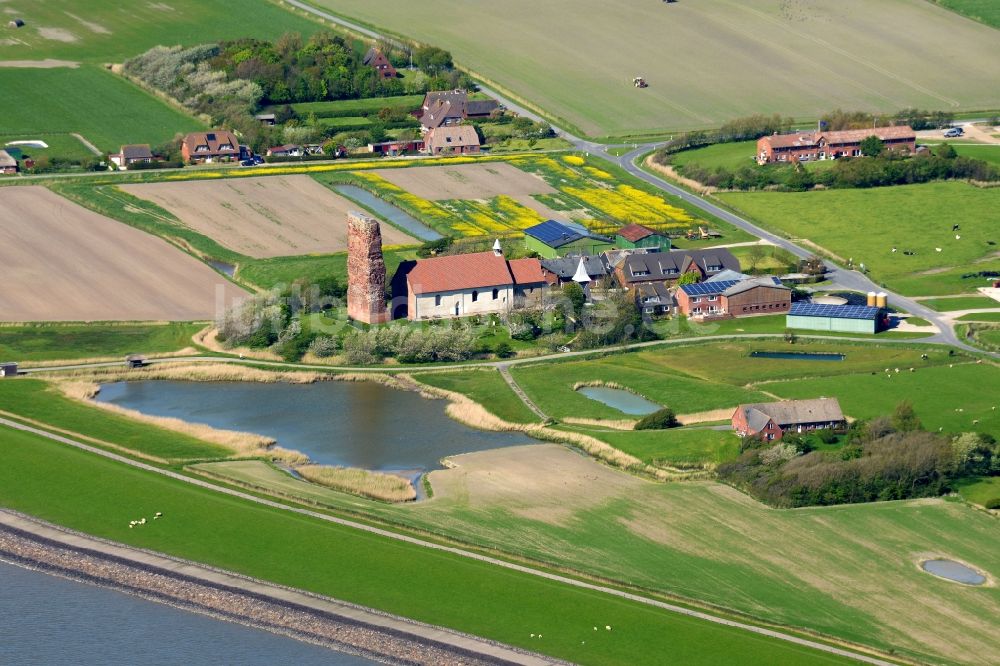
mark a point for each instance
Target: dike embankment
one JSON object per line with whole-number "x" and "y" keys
{"x": 232, "y": 597}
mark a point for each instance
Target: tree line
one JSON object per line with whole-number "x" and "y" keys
{"x": 228, "y": 82}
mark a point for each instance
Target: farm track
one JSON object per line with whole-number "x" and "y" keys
{"x": 485, "y": 364}
{"x": 701, "y": 615}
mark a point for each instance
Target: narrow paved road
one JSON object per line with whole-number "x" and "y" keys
{"x": 451, "y": 549}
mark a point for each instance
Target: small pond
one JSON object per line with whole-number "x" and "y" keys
{"x": 953, "y": 570}
{"x": 623, "y": 401}
{"x": 355, "y": 424}
{"x": 388, "y": 212}
{"x": 797, "y": 356}
{"x": 222, "y": 267}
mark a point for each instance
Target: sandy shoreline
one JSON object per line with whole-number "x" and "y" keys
{"x": 235, "y": 598}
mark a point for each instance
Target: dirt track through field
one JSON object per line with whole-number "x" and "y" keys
{"x": 274, "y": 216}
{"x": 63, "y": 262}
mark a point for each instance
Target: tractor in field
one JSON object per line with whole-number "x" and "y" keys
{"x": 639, "y": 82}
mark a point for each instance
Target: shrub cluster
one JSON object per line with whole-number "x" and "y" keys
{"x": 274, "y": 319}
{"x": 187, "y": 75}
{"x": 879, "y": 461}
{"x": 658, "y": 420}
{"x": 408, "y": 345}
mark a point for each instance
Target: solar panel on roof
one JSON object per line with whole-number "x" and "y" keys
{"x": 836, "y": 311}
{"x": 552, "y": 233}
{"x": 705, "y": 288}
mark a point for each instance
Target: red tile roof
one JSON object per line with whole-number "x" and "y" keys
{"x": 810, "y": 139}
{"x": 459, "y": 272}
{"x": 451, "y": 136}
{"x": 635, "y": 232}
{"x": 526, "y": 271}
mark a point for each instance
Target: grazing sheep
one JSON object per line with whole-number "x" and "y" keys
{"x": 937, "y": 249}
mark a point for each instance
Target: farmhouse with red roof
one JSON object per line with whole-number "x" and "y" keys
{"x": 466, "y": 284}
{"x": 811, "y": 146}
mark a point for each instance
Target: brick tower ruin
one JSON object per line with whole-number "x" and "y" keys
{"x": 365, "y": 270}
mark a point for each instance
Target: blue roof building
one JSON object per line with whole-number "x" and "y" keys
{"x": 840, "y": 318}
{"x": 551, "y": 239}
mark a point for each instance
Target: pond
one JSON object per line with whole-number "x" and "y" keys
{"x": 798, "y": 356}
{"x": 222, "y": 267}
{"x": 953, "y": 570}
{"x": 623, "y": 401}
{"x": 388, "y": 212}
{"x": 354, "y": 424}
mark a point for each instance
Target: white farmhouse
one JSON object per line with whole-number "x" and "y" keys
{"x": 468, "y": 284}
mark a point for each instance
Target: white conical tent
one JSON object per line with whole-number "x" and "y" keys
{"x": 497, "y": 250}
{"x": 581, "y": 274}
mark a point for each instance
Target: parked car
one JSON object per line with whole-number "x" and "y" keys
{"x": 249, "y": 162}
{"x": 257, "y": 159}
{"x": 954, "y": 131}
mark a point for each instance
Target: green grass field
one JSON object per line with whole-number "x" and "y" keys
{"x": 46, "y": 342}
{"x": 736, "y": 45}
{"x": 101, "y": 31}
{"x": 487, "y": 388}
{"x": 550, "y": 386}
{"x": 964, "y": 303}
{"x": 345, "y": 123}
{"x": 60, "y": 145}
{"x": 990, "y": 153}
{"x": 866, "y": 224}
{"x": 864, "y": 395}
{"x": 980, "y": 491}
{"x": 728, "y": 155}
{"x": 730, "y": 362}
{"x": 849, "y": 571}
{"x": 111, "y": 112}
{"x": 37, "y": 400}
{"x": 678, "y": 446}
{"x": 982, "y": 316}
{"x": 984, "y": 11}
{"x": 358, "y": 107}
{"x": 99, "y": 497}
{"x": 775, "y": 261}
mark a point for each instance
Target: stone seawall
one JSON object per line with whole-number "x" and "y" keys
{"x": 233, "y": 603}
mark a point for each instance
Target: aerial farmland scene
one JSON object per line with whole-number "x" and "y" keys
{"x": 500, "y": 332}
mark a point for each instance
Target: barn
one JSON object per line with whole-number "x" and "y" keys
{"x": 840, "y": 318}
{"x": 551, "y": 239}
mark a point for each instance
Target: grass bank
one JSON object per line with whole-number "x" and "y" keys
{"x": 98, "y": 496}
{"x": 50, "y": 342}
